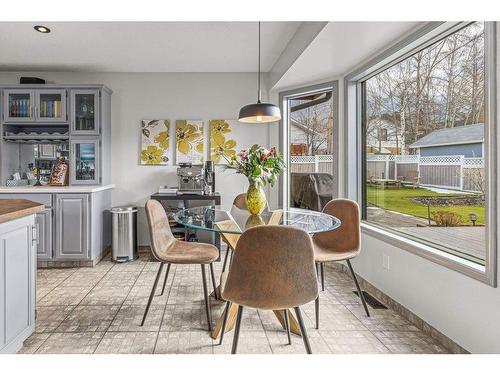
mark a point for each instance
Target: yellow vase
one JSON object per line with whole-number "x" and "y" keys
{"x": 254, "y": 221}
{"x": 256, "y": 199}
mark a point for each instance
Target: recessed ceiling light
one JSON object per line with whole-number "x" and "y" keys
{"x": 42, "y": 29}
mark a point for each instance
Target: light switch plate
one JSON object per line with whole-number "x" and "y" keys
{"x": 386, "y": 262}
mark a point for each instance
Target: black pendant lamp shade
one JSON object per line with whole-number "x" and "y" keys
{"x": 259, "y": 112}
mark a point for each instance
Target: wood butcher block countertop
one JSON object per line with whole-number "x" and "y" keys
{"x": 11, "y": 209}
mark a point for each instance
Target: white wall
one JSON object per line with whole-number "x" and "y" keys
{"x": 173, "y": 96}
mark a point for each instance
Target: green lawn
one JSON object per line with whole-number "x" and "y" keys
{"x": 395, "y": 199}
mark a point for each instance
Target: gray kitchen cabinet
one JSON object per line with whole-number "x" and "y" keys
{"x": 17, "y": 282}
{"x": 18, "y": 105}
{"x": 84, "y": 159}
{"x": 43, "y": 223}
{"x": 84, "y": 112}
{"x": 50, "y": 105}
{"x": 72, "y": 234}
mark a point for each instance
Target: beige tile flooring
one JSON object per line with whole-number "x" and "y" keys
{"x": 99, "y": 310}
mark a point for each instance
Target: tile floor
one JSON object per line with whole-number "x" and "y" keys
{"x": 99, "y": 310}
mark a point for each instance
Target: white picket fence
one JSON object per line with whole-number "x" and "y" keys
{"x": 451, "y": 172}
{"x": 312, "y": 164}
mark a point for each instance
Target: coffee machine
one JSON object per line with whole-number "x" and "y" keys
{"x": 196, "y": 179}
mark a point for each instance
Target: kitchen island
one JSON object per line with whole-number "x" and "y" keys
{"x": 18, "y": 236}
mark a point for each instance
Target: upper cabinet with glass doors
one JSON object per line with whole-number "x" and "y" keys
{"x": 33, "y": 105}
{"x": 50, "y": 105}
{"x": 84, "y": 112}
{"x": 19, "y": 105}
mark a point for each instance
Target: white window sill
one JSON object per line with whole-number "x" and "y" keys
{"x": 433, "y": 254}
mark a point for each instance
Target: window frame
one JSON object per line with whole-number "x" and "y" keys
{"x": 284, "y": 133}
{"x": 355, "y": 153}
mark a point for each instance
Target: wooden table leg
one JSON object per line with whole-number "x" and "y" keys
{"x": 231, "y": 320}
{"x": 294, "y": 325}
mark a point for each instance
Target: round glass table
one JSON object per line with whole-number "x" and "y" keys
{"x": 236, "y": 220}
{"x": 230, "y": 224}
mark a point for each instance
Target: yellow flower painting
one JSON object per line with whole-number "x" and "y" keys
{"x": 223, "y": 145}
{"x": 189, "y": 141}
{"x": 152, "y": 155}
{"x": 221, "y": 150}
{"x": 155, "y": 141}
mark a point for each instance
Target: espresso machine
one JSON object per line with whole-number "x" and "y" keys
{"x": 196, "y": 179}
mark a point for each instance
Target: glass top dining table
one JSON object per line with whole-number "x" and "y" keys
{"x": 236, "y": 220}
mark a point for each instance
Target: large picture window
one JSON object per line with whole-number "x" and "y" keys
{"x": 425, "y": 145}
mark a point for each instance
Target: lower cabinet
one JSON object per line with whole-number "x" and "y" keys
{"x": 43, "y": 223}
{"x": 17, "y": 282}
{"x": 72, "y": 226}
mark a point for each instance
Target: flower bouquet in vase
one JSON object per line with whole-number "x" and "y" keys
{"x": 261, "y": 166}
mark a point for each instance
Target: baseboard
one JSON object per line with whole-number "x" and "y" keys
{"x": 73, "y": 263}
{"x": 421, "y": 324}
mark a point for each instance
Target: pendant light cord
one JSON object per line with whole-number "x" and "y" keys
{"x": 258, "y": 91}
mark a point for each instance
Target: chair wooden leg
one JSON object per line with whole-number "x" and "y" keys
{"x": 165, "y": 280}
{"x": 361, "y": 295}
{"x": 237, "y": 330}
{"x": 224, "y": 322}
{"x": 207, "y": 300}
{"x": 322, "y": 277}
{"x": 303, "y": 330}
{"x": 225, "y": 259}
{"x": 212, "y": 274}
{"x": 151, "y": 295}
{"x": 287, "y": 326}
{"x": 316, "y": 310}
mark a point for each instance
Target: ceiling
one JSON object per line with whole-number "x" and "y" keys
{"x": 341, "y": 46}
{"x": 142, "y": 46}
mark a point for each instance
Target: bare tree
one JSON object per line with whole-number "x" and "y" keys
{"x": 439, "y": 86}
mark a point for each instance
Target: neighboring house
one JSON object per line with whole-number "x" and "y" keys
{"x": 382, "y": 137}
{"x": 299, "y": 138}
{"x": 465, "y": 140}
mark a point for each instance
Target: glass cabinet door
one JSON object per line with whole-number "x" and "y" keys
{"x": 84, "y": 162}
{"x": 51, "y": 105}
{"x": 85, "y": 112}
{"x": 18, "y": 105}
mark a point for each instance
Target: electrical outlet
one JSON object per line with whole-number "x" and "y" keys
{"x": 386, "y": 262}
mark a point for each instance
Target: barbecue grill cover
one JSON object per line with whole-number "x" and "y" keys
{"x": 311, "y": 190}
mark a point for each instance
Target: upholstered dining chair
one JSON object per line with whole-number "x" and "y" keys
{"x": 272, "y": 269}
{"x": 341, "y": 244}
{"x": 168, "y": 250}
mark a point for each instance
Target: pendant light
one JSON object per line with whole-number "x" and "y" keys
{"x": 259, "y": 112}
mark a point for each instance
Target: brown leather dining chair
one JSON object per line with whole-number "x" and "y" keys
{"x": 168, "y": 250}
{"x": 341, "y": 244}
{"x": 272, "y": 269}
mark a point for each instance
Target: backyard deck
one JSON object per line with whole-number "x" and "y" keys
{"x": 467, "y": 240}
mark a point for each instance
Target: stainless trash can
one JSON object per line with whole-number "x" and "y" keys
{"x": 124, "y": 245}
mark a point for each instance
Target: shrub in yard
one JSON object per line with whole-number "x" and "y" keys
{"x": 446, "y": 219}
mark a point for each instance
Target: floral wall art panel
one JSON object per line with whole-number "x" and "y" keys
{"x": 189, "y": 141}
{"x": 229, "y": 137}
{"x": 155, "y": 142}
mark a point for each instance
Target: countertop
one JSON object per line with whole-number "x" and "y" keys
{"x": 11, "y": 209}
{"x": 54, "y": 189}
